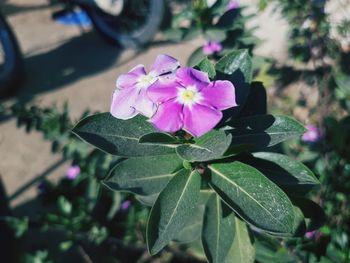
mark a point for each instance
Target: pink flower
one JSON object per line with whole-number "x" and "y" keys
{"x": 312, "y": 134}
{"x": 130, "y": 97}
{"x": 125, "y": 205}
{"x": 313, "y": 234}
{"x": 233, "y": 4}
{"x": 72, "y": 172}
{"x": 191, "y": 102}
{"x": 211, "y": 47}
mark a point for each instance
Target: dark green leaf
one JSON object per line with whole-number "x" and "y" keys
{"x": 196, "y": 57}
{"x": 242, "y": 249}
{"x": 119, "y": 137}
{"x": 207, "y": 147}
{"x": 287, "y": 173}
{"x": 192, "y": 230}
{"x": 206, "y": 66}
{"x": 236, "y": 67}
{"x": 251, "y": 195}
{"x": 313, "y": 213}
{"x": 174, "y": 207}
{"x": 218, "y": 230}
{"x": 238, "y": 60}
{"x": 143, "y": 175}
{"x": 265, "y": 130}
{"x": 158, "y": 138}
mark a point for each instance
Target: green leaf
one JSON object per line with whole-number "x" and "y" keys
{"x": 313, "y": 213}
{"x": 119, "y": 137}
{"x": 158, "y": 138}
{"x": 287, "y": 173}
{"x": 236, "y": 67}
{"x": 192, "y": 230}
{"x": 64, "y": 205}
{"x": 265, "y": 130}
{"x": 174, "y": 207}
{"x": 253, "y": 197}
{"x": 207, "y": 147}
{"x": 206, "y": 66}
{"x": 217, "y": 232}
{"x": 236, "y": 61}
{"x": 196, "y": 57}
{"x": 143, "y": 175}
{"x": 242, "y": 249}
{"x": 214, "y": 34}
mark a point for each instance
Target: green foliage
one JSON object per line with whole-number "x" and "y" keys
{"x": 213, "y": 186}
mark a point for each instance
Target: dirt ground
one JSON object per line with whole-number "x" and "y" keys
{"x": 66, "y": 63}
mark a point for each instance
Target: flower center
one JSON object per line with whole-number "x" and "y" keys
{"x": 189, "y": 96}
{"x": 146, "y": 80}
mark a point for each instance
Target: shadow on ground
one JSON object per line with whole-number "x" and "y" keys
{"x": 80, "y": 57}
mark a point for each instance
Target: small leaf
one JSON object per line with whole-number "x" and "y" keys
{"x": 242, "y": 249}
{"x": 196, "y": 57}
{"x": 217, "y": 232}
{"x": 265, "y": 130}
{"x": 206, "y": 66}
{"x": 174, "y": 207}
{"x": 119, "y": 137}
{"x": 207, "y": 147}
{"x": 143, "y": 175}
{"x": 287, "y": 173}
{"x": 253, "y": 197}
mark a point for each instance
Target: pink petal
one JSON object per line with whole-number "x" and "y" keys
{"x": 144, "y": 105}
{"x": 123, "y": 101}
{"x": 219, "y": 94}
{"x": 138, "y": 70}
{"x": 130, "y": 79}
{"x": 207, "y": 50}
{"x": 192, "y": 77}
{"x": 164, "y": 64}
{"x": 200, "y": 119}
{"x": 162, "y": 91}
{"x": 169, "y": 117}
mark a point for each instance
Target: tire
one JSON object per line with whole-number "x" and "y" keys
{"x": 113, "y": 30}
{"x": 11, "y": 66}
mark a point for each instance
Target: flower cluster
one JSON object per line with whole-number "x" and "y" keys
{"x": 172, "y": 97}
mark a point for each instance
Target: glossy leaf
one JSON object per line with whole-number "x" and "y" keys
{"x": 143, "y": 175}
{"x": 238, "y": 60}
{"x": 252, "y": 196}
{"x": 207, "y": 147}
{"x": 242, "y": 249}
{"x": 265, "y": 130}
{"x": 289, "y": 174}
{"x": 218, "y": 230}
{"x": 119, "y": 137}
{"x": 196, "y": 57}
{"x": 174, "y": 207}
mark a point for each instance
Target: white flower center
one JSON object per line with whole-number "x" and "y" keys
{"x": 146, "y": 80}
{"x": 189, "y": 96}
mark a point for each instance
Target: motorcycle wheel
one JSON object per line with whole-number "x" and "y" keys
{"x": 135, "y": 26}
{"x": 11, "y": 63}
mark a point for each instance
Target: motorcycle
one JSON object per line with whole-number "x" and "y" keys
{"x": 126, "y": 23}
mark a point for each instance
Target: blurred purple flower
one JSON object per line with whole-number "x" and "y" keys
{"x": 211, "y": 47}
{"x": 313, "y": 234}
{"x": 72, "y": 172}
{"x": 130, "y": 97}
{"x": 125, "y": 205}
{"x": 312, "y": 135}
{"x": 191, "y": 102}
{"x": 233, "y": 4}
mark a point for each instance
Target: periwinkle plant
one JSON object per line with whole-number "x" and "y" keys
{"x": 202, "y": 160}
